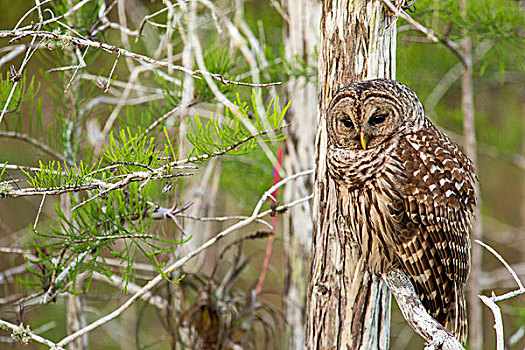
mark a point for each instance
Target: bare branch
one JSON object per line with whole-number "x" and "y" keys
{"x": 436, "y": 336}
{"x": 500, "y": 258}
{"x": 38, "y": 213}
{"x": 118, "y": 282}
{"x": 52, "y": 20}
{"x": 15, "y": 52}
{"x": 27, "y": 57}
{"x": 24, "y": 334}
{"x": 111, "y": 73}
{"x": 498, "y": 322}
{"x": 159, "y": 173}
{"x": 175, "y": 111}
{"x": 148, "y": 17}
{"x": 398, "y": 12}
{"x": 491, "y": 301}
{"x": 19, "y": 34}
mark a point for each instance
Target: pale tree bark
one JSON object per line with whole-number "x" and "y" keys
{"x": 301, "y": 36}
{"x": 435, "y": 335}
{"x": 467, "y": 104}
{"x": 75, "y": 304}
{"x": 347, "y": 307}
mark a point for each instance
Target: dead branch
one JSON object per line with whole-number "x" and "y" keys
{"x": 24, "y": 334}
{"x": 19, "y": 34}
{"x": 498, "y": 322}
{"x": 491, "y": 301}
{"x": 435, "y": 335}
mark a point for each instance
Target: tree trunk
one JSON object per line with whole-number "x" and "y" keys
{"x": 467, "y": 105}
{"x": 347, "y": 307}
{"x": 301, "y": 36}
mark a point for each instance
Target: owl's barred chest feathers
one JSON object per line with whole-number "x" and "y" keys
{"x": 356, "y": 169}
{"x": 369, "y": 186}
{"x": 405, "y": 191}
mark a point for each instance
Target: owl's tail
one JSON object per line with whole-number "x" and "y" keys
{"x": 456, "y": 322}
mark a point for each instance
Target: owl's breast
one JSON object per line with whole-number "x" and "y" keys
{"x": 357, "y": 169}
{"x": 367, "y": 213}
{"x": 369, "y": 206}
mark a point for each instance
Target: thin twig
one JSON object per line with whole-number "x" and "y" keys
{"x": 508, "y": 295}
{"x": 52, "y": 20}
{"x": 498, "y": 322}
{"x": 166, "y": 116}
{"x": 19, "y": 34}
{"x": 398, "y": 12}
{"x": 36, "y": 7}
{"x": 38, "y": 213}
{"x": 220, "y": 218}
{"x": 9, "y": 250}
{"x": 96, "y": 184}
{"x": 127, "y": 287}
{"x": 22, "y": 331}
{"x": 109, "y": 237}
{"x": 27, "y": 57}
{"x": 111, "y": 73}
{"x": 500, "y": 258}
{"x": 133, "y": 177}
{"x": 82, "y": 64}
{"x": 148, "y": 17}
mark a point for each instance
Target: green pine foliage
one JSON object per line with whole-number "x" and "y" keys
{"x": 230, "y": 133}
{"x": 81, "y": 242}
{"x": 57, "y": 175}
{"x": 484, "y": 20}
{"x": 133, "y": 149}
{"x": 221, "y": 62}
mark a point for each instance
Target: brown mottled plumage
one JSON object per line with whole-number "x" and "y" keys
{"x": 406, "y": 192}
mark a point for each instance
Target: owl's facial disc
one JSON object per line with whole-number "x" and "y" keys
{"x": 365, "y": 123}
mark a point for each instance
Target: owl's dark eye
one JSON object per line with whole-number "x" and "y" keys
{"x": 377, "y": 119}
{"x": 347, "y": 123}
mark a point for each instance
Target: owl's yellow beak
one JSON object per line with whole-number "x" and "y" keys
{"x": 364, "y": 141}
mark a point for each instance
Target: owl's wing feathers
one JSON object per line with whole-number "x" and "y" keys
{"x": 433, "y": 218}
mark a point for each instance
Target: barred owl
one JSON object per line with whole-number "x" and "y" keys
{"x": 406, "y": 192}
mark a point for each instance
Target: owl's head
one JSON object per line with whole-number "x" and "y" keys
{"x": 365, "y": 114}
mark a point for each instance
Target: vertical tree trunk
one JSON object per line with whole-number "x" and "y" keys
{"x": 347, "y": 307}
{"x": 467, "y": 104}
{"x": 301, "y": 36}
{"x": 75, "y": 304}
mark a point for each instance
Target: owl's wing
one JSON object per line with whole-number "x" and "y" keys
{"x": 433, "y": 219}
